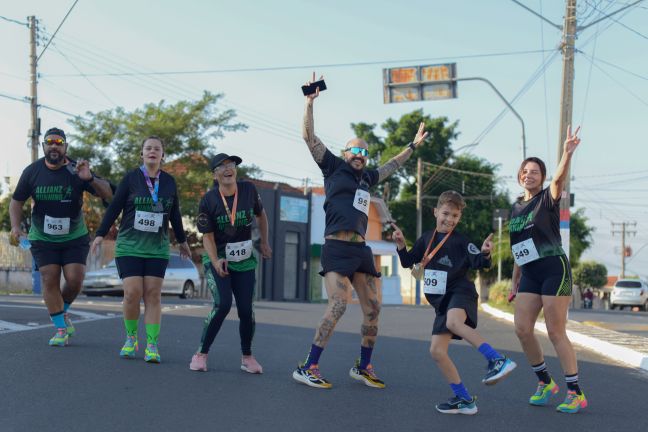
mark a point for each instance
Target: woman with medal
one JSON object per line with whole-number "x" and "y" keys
{"x": 444, "y": 258}
{"x": 542, "y": 275}
{"x": 147, "y": 198}
{"x": 225, "y": 219}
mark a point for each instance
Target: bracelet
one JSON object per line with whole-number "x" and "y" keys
{"x": 412, "y": 146}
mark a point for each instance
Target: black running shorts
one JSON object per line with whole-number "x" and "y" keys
{"x": 347, "y": 258}
{"x": 69, "y": 252}
{"x": 129, "y": 266}
{"x": 549, "y": 276}
{"x": 442, "y": 303}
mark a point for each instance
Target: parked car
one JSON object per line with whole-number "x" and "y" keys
{"x": 181, "y": 279}
{"x": 629, "y": 292}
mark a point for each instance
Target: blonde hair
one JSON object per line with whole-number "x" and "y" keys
{"x": 451, "y": 197}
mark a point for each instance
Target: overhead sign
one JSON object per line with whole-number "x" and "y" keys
{"x": 293, "y": 209}
{"x": 415, "y": 83}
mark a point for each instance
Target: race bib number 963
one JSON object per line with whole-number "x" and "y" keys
{"x": 56, "y": 226}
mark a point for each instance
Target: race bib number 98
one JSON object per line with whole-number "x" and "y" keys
{"x": 239, "y": 251}
{"x": 148, "y": 221}
{"x": 524, "y": 252}
{"x": 435, "y": 281}
{"x": 56, "y": 226}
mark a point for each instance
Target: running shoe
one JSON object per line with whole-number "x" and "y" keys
{"x": 151, "y": 353}
{"x": 366, "y": 375}
{"x": 498, "y": 370}
{"x": 129, "y": 348}
{"x": 198, "y": 362}
{"x": 250, "y": 365}
{"x": 60, "y": 338}
{"x": 311, "y": 376}
{"x": 573, "y": 403}
{"x": 68, "y": 324}
{"x": 456, "y": 405}
{"x": 543, "y": 393}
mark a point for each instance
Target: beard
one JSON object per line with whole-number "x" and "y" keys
{"x": 362, "y": 163}
{"x": 54, "y": 157}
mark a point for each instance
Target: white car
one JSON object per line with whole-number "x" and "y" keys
{"x": 181, "y": 279}
{"x": 629, "y": 292}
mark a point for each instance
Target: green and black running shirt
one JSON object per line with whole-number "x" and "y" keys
{"x": 214, "y": 217}
{"x": 57, "y": 214}
{"x": 535, "y": 228}
{"x": 143, "y": 231}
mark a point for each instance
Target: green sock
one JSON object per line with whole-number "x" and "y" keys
{"x": 152, "y": 333}
{"x": 131, "y": 327}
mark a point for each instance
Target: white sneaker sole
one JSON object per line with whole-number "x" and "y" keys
{"x": 502, "y": 374}
{"x": 363, "y": 380}
{"x": 300, "y": 379}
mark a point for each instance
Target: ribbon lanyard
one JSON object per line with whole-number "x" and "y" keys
{"x": 427, "y": 256}
{"x": 152, "y": 189}
{"x": 232, "y": 214}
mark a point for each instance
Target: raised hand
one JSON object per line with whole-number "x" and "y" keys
{"x": 572, "y": 141}
{"x": 421, "y": 134}
{"x": 310, "y": 97}
{"x": 487, "y": 246}
{"x": 398, "y": 236}
{"x": 83, "y": 170}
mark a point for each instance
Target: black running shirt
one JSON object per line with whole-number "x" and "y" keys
{"x": 136, "y": 238}
{"x": 57, "y": 214}
{"x": 214, "y": 218}
{"x": 456, "y": 257}
{"x": 340, "y": 184}
{"x": 537, "y": 219}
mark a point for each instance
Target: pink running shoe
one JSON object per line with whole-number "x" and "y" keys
{"x": 198, "y": 362}
{"x": 250, "y": 365}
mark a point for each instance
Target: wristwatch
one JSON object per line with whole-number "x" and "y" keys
{"x": 412, "y": 146}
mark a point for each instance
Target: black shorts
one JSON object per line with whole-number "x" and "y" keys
{"x": 128, "y": 266}
{"x": 347, "y": 258}
{"x": 442, "y": 303}
{"x": 69, "y": 252}
{"x": 550, "y": 276}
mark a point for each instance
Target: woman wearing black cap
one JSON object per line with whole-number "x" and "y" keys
{"x": 148, "y": 198}
{"x": 225, "y": 219}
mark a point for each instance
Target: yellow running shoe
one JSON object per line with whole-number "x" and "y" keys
{"x": 573, "y": 403}
{"x": 544, "y": 393}
{"x": 366, "y": 375}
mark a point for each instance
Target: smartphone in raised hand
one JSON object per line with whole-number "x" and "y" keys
{"x": 312, "y": 88}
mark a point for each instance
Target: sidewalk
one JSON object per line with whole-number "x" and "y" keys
{"x": 629, "y": 349}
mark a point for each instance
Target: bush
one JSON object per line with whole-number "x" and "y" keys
{"x": 498, "y": 292}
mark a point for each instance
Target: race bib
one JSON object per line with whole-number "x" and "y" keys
{"x": 525, "y": 252}
{"x": 148, "y": 221}
{"x": 239, "y": 251}
{"x": 435, "y": 281}
{"x": 361, "y": 201}
{"x": 56, "y": 226}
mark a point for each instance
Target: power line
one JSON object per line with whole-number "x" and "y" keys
{"x": 312, "y": 66}
{"x": 56, "y": 31}
{"x": 14, "y": 21}
{"x": 598, "y": 59}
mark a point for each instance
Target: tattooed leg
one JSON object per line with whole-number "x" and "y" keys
{"x": 365, "y": 286}
{"x": 338, "y": 288}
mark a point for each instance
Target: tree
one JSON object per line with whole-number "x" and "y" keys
{"x": 589, "y": 274}
{"x": 580, "y": 235}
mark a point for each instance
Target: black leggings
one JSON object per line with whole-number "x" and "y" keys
{"x": 241, "y": 284}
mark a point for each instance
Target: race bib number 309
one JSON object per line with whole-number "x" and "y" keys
{"x": 435, "y": 281}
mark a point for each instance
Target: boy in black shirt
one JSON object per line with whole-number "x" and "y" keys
{"x": 446, "y": 256}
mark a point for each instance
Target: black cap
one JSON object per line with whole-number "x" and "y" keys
{"x": 220, "y": 157}
{"x": 55, "y": 131}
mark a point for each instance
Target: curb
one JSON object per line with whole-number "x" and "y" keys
{"x": 613, "y": 351}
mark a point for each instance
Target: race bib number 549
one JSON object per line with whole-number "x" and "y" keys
{"x": 524, "y": 252}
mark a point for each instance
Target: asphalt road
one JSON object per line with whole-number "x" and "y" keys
{"x": 625, "y": 321}
{"x": 87, "y": 387}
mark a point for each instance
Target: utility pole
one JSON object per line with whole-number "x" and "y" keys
{"x": 566, "y": 100}
{"x": 623, "y": 233}
{"x": 419, "y": 215}
{"x": 34, "y": 132}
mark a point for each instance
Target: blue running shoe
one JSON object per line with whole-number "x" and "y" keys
{"x": 498, "y": 370}
{"x": 129, "y": 348}
{"x": 151, "y": 354}
{"x": 60, "y": 338}
{"x": 457, "y": 405}
{"x": 543, "y": 393}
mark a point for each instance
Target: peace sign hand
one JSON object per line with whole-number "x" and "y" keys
{"x": 421, "y": 134}
{"x": 572, "y": 141}
{"x": 310, "y": 97}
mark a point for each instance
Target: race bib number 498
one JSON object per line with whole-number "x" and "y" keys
{"x": 148, "y": 221}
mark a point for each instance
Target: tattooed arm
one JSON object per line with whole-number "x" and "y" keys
{"x": 315, "y": 145}
{"x": 397, "y": 161}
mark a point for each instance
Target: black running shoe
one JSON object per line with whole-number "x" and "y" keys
{"x": 457, "y": 405}
{"x": 498, "y": 369}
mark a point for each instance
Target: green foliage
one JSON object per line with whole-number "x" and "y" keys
{"x": 590, "y": 274}
{"x": 580, "y": 235}
{"x": 498, "y": 293}
{"x": 5, "y": 219}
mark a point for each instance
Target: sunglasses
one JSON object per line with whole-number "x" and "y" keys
{"x": 223, "y": 167}
{"x": 51, "y": 141}
{"x": 358, "y": 151}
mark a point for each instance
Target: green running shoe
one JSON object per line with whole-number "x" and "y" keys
{"x": 60, "y": 338}
{"x": 151, "y": 354}
{"x": 68, "y": 324}
{"x": 129, "y": 348}
{"x": 543, "y": 393}
{"x": 573, "y": 403}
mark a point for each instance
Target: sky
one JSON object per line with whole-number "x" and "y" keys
{"x": 259, "y": 53}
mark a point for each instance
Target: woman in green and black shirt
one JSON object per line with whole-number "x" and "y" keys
{"x": 148, "y": 198}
